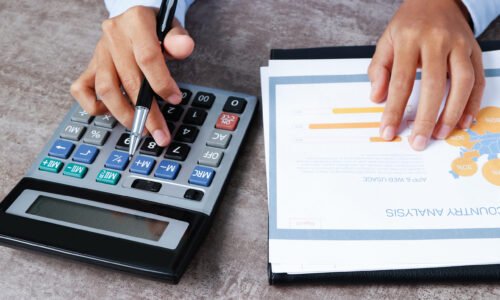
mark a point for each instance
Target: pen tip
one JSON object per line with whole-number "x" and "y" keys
{"x": 130, "y": 157}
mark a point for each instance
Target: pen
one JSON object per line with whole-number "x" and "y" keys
{"x": 146, "y": 94}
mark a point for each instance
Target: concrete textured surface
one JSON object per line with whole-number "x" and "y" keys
{"x": 44, "y": 45}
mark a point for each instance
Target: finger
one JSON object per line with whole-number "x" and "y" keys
{"x": 178, "y": 44}
{"x": 108, "y": 88}
{"x": 472, "y": 108}
{"x": 123, "y": 58}
{"x": 432, "y": 91}
{"x": 380, "y": 69}
{"x": 462, "y": 80}
{"x": 83, "y": 91}
{"x": 400, "y": 88}
{"x": 149, "y": 56}
{"x": 157, "y": 125}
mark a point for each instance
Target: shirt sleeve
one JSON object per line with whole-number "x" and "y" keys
{"x": 482, "y": 13}
{"x": 117, "y": 7}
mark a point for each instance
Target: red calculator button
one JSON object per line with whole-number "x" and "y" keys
{"x": 227, "y": 121}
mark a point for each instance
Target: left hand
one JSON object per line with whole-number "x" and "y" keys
{"x": 434, "y": 35}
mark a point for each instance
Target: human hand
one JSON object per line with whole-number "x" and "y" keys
{"x": 129, "y": 48}
{"x": 434, "y": 35}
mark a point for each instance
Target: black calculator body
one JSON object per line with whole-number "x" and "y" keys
{"x": 82, "y": 198}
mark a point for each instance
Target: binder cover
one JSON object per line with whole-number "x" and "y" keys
{"x": 478, "y": 273}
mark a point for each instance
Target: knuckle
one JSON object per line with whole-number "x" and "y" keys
{"x": 451, "y": 117}
{"x": 131, "y": 83}
{"x": 103, "y": 88}
{"x": 76, "y": 88}
{"x": 148, "y": 55}
{"x": 425, "y": 124}
{"x": 401, "y": 81}
{"x": 108, "y": 26}
{"x": 465, "y": 76}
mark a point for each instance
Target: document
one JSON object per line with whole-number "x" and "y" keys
{"x": 342, "y": 199}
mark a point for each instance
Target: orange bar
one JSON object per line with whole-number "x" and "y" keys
{"x": 344, "y": 125}
{"x": 358, "y": 110}
{"x": 377, "y": 139}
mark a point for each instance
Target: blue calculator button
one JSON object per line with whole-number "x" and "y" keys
{"x": 117, "y": 160}
{"x": 202, "y": 176}
{"x": 142, "y": 165}
{"x": 85, "y": 154}
{"x": 167, "y": 170}
{"x": 61, "y": 149}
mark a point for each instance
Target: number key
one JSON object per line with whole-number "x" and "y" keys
{"x": 204, "y": 100}
{"x": 235, "y": 105}
{"x": 123, "y": 142}
{"x": 172, "y": 113}
{"x": 195, "y": 116}
{"x": 149, "y": 147}
{"x": 177, "y": 151}
{"x": 186, "y": 96}
{"x": 187, "y": 134}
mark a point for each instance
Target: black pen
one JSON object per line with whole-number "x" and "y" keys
{"x": 146, "y": 94}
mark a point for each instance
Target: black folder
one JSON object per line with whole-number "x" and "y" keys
{"x": 478, "y": 273}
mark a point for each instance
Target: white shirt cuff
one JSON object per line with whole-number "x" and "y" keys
{"x": 482, "y": 13}
{"x": 117, "y": 7}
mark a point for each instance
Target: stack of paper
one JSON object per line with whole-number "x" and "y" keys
{"x": 340, "y": 199}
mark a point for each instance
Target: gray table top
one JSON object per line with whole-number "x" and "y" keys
{"x": 43, "y": 48}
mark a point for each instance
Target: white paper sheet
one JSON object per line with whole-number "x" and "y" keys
{"x": 335, "y": 180}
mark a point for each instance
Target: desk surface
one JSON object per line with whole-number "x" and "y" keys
{"x": 43, "y": 48}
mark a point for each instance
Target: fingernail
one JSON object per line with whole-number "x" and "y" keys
{"x": 160, "y": 137}
{"x": 467, "y": 121}
{"x": 388, "y": 133}
{"x": 174, "y": 99}
{"x": 419, "y": 142}
{"x": 443, "y": 132}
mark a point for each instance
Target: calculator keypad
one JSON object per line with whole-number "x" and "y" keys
{"x": 96, "y": 136}
{"x": 73, "y": 132}
{"x": 201, "y": 129}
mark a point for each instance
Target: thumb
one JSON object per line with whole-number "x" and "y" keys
{"x": 380, "y": 68}
{"x": 178, "y": 44}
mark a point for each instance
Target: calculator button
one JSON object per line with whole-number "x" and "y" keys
{"x": 193, "y": 195}
{"x": 108, "y": 177}
{"x": 203, "y": 99}
{"x": 85, "y": 154}
{"x": 146, "y": 185}
{"x": 123, "y": 142}
{"x": 187, "y": 134}
{"x": 75, "y": 170}
{"x": 142, "y": 165}
{"x": 96, "y": 136}
{"x": 172, "y": 113}
{"x": 106, "y": 121}
{"x": 186, "y": 96}
{"x": 211, "y": 157}
{"x": 227, "y": 121}
{"x": 117, "y": 160}
{"x": 150, "y": 147}
{"x": 81, "y": 116}
{"x": 51, "y": 165}
{"x": 202, "y": 176}
{"x": 61, "y": 149}
{"x": 235, "y": 105}
{"x": 167, "y": 169}
{"x": 73, "y": 132}
{"x": 195, "y": 116}
{"x": 219, "y": 139}
{"x": 177, "y": 151}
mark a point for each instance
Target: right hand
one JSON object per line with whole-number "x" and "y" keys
{"x": 129, "y": 48}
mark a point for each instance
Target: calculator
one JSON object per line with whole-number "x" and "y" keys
{"x": 83, "y": 198}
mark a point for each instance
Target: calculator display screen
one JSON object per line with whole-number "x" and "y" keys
{"x": 98, "y": 218}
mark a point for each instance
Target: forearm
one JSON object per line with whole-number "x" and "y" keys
{"x": 117, "y": 7}
{"x": 482, "y": 13}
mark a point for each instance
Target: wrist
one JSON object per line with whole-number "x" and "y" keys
{"x": 465, "y": 13}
